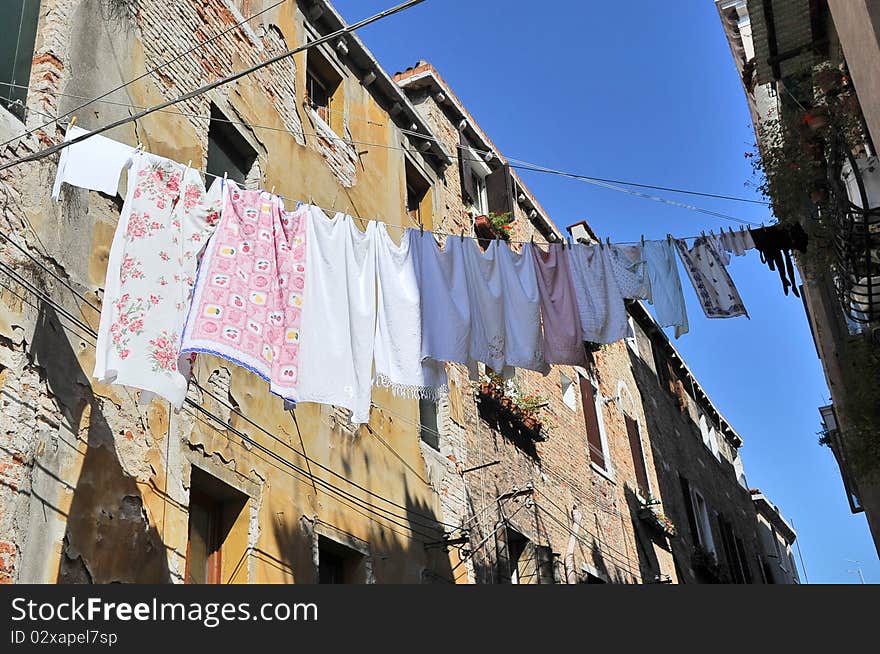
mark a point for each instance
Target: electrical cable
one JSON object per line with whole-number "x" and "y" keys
{"x": 333, "y": 489}
{"x": 146, "y": 74}
{"x": 391, "y": 147}
{"x": 517, "y": 164}
{"x": 212, "y": 85}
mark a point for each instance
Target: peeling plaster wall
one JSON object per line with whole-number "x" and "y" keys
{"x": 93, "y": 486}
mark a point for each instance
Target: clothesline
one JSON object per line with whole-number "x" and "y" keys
{"x": 314, "y": 304}
{"x": 513, "y": 163}
{"x": 394, "y": 226}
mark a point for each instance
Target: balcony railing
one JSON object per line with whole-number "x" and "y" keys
{"x": 855, "y": 206}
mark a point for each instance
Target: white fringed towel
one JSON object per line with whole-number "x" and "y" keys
{"x": 339, "y": 314}
{"x": 398, "y": 344}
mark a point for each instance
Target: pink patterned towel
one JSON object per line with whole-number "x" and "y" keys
{"x": 248, "y": 296}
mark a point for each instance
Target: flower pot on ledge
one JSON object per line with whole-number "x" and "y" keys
{"x": 485, "y": 231}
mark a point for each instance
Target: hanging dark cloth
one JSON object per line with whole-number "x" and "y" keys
{"x": 775, "y": 244}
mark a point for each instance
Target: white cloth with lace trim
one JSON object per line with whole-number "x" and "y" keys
{"x": 398, "y": 344}
{"x": 339, "y": 314}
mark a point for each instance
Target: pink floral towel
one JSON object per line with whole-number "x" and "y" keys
{"x": 248, "y": 296}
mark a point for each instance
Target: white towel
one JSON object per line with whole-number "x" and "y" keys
{"x": 339, "y": 314}
{"x": 666, "y": 294}
{"x": 487, "y": 306}
{"x": 398, "y": 346}
{"x": 93, "y": 164}
{"x": 523, "y": 340}
{"x": 599, "y": 298}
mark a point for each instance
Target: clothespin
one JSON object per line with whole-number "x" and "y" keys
{"x": 422, "y": 227}
{"x": 669, "y": 238}
{"x": 462, "y": 235}
{"x": 704, "y": 234}
{"x": 188, "y": 166}
{"x": 601, "y": 244}
{"x": 643, "y": 240}
{"x": 71, "y": 123}
{"x": 608, "y": 241}
{"x": 533, "y": 239}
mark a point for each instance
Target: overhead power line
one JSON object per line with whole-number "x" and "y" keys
{"x": 167, "y": 62}
{"x": 213, "y": 85}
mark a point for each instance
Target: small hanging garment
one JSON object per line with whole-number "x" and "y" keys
{"x": 248, "y": 297}
{"x": 599, "y": 301}
{"x": 665, "y": 286}
{"x": 445, "y": 306}
{"x": 715, "y": 289}
{"x": 629, "y": 268}
{"x": 339, "y": 314}
{"x": 523, "y": 340}
{"x": 398, "y": 344}
{"x": 484, "y": 287}
{"x": 93, "y": 164}
{"x": 563, "y": 331}
{"x": 738, "y": 242}
{"x": 166, "y": 219}
{"x": 774, "y": 244}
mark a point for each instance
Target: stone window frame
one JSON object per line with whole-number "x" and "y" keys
{"x": 250, "y": 487}
{"x": 608, "y": 472}
{"x": 343, "y": 538}
{"x": 338, "y": 116}
{"x": 627, "y": 405}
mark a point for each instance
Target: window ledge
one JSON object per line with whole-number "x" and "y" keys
{"x": 608, "y": 475}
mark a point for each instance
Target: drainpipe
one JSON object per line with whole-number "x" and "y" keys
{"x": 571, "y": 576}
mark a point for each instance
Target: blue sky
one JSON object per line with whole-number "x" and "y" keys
{"x": 648, "y": 92}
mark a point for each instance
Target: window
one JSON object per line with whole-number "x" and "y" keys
{"x": 569, "y": 392}
{"x": 709, "y": 436}
{"x": 631, "y": 340}
{"x": 739, "y": 470}
{"x": 229, "y": 152}
{"x": 480, "y": 199}
{"x": 731, "y": 553}
{"x": 428, "y": 430}
{"x": 638, "y": 456}
{"x": 713, "y": 443}
{"x": 214, "y": 512}
{"x": 324, "y": 90}
{"x": 338, "y": 564}
{"x": 704, "y": 528}
{"x": 522, "y": 562}
{"x": 418, "y": 196}
{"x": 17, "y": 51}
{"x": 593, "y": 421}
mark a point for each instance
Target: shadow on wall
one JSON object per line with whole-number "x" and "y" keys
{"x": 670, "y": 488}
{"x": 395, "y": 554}
{"x": 108, "y": 538}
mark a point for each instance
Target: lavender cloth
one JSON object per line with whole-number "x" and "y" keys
{"x": 562, "y": 325}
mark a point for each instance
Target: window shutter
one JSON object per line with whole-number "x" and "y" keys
{"x": 638, "y": 455}
{"x": 591, "y": 420}
{"x": 544, "y": 555}
{"x": 499, "y": 190}
{"x": 527, "y": 565}
{"x": 468, "y": 192}
{"x": 689, "y": 508}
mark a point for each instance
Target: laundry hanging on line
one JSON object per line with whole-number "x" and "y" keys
{"x": 323, "y": 311}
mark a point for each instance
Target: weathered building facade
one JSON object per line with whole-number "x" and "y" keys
{"x": 236, "y": 488}
{"x": 809, "y": 70}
